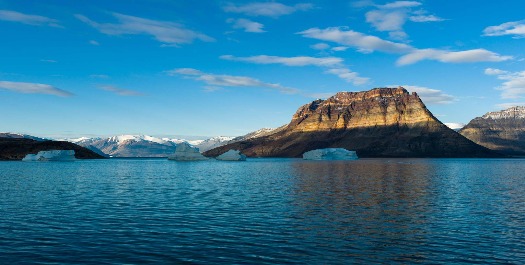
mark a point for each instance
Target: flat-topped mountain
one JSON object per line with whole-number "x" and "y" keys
{"x": 382, "y": 122}
{"x": 503, "y": 131}
{"x": 16, "y": 148}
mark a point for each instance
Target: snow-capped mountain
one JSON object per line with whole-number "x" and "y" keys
{"x": 143, "y": 145}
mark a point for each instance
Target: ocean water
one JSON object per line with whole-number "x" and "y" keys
{"x": 263, "y": 211}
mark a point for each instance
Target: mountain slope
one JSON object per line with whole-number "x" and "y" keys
{"x": 503, "y": 131}
{"x": 18, "y": 148}
{"x": 382, "y": 122}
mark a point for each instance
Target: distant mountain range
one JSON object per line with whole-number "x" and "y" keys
{"x": 503, "y": 131}
{"x": 16, "y": 147}
{"x": 149, "y": 146}
{"x": 382, "y": 122}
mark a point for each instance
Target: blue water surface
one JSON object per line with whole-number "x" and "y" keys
{"x": 263, "y": 211}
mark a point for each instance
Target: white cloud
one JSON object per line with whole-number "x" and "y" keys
{"x": 391, "y": 17}
{"x": 492, "y": 71}
{"x": 246, "y": 24}
{"x": 339, "y": 48}
{"x": 268, "y": 9}
{"x": 289, "y": 61}
{"x": 348, "y": 76}
{"x": 429, "y": 95}
{"x": 334, "y": 65}
{"x": 509, "y": 105}
{"x": 425, "y": 18}
{"x": 94, "y": 42}
{"x": 229, "y": 80}
{"x": 400, "y": 4}
{"x": 516, "y": 29}
{"x": 34, "y": 88}
{"x": 513, "y": 85}
{"x": 355, "y": 39}
{"x": 320, "y": 46}
{"x": 169, "y": 33}
{"x": 99, "y": 76}
{"x": 367, "y": 43}
{"x": 121, "y": 91}
{"x": 468, "y": 56}
{"x": 34, "y": 20}
{"x": 455, "y": 125}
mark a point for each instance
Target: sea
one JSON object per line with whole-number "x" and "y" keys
{"x": 263, "y": 211}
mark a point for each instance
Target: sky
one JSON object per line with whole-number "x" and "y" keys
{"x": 210, "y": 68}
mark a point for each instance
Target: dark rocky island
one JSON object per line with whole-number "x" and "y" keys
{"x": 503, "y": 131}
{"x": 382, "y": 122}
{"x": 18, "y": 148}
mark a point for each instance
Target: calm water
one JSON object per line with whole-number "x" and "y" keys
{"x": 264, "y": 211}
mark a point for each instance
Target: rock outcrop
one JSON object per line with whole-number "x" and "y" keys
{"x": 18, "y": 148}
{"x": 330, "y": 154}
{"x": 503, "y": 131}
{"x": 232, "y": 155}
{"x": 51, "y": 155}
{"x": 185, "y": 152}
{"x": 382, "y": 122}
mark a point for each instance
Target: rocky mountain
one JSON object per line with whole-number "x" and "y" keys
{"x": 16, "y": 148}
{"x": 143, "y": 145}
{"x": 503, "y": 131}
{"x": 382, "y": 122}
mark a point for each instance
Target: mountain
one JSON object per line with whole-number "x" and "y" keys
{"x": 20, "y": 136}
{"x": 143, "y": 145}
{"x": 503, "y": 131}
{"x": 16, "y": 148}
{"x": 382, "y": 122}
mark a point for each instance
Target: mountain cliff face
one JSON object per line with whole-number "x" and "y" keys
{"x": 17, "y": 148}
{"x": 503, "y": 131}
{"x": 382, "y": 122}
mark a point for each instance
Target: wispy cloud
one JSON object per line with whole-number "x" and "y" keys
{"x": 48, "y": 61}
{"x": 429, "y": 95}
{"x": 289, "y": 61}
{"x": 513, "y": 85}
{"x": 34, "y": 20}
{"x": 515, "y": 29}
{"x": 509, "y": 105}
{"x": 229, "y": 80}
{"x": 363, "y": 42}
{"x": 333, "y": 65}
{"x": 94, "y": 42}
{"x": 367, "y": 43}
{"x": 34, "y": 88}
{"x": 121, "y": 91}
{"x": 468, "y": 56}
{"x": 99, "y": 76}
{"x": 267, "y": 9}
{"x": 391, "y": 17}
{"x": 169, "y": 33}
{"x": 246, "y": 24}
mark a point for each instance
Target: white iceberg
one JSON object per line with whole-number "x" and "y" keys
{"x": 232, "y": 155}
{"x": 185, "y": 152}
{"x": 51, "y": 155}
{"x": 330, "y": 154}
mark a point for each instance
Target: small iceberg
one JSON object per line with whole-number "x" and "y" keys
{"x": 330, "y": 154}
{"x": 51, "y": 155}
{"x": 232, "y": 155}
{"x": 185, "y": 152}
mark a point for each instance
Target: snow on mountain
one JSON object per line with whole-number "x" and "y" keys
{"x": 517, "y": 112}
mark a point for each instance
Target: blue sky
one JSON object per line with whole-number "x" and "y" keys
{"x": 208, "y": 68}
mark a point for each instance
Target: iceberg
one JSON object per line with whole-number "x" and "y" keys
{"x": 330, "y": 154}
{"x": 232, "y": 155}
{"x": 51, "y": 155}
{"x": 185, "y": 152}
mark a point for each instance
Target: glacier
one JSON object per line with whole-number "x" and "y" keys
{"x": 51, "y": 155}
{"x": 232, "y": 155}
{"x": 330, "y": 154}
{"x": 185, "y": 152}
